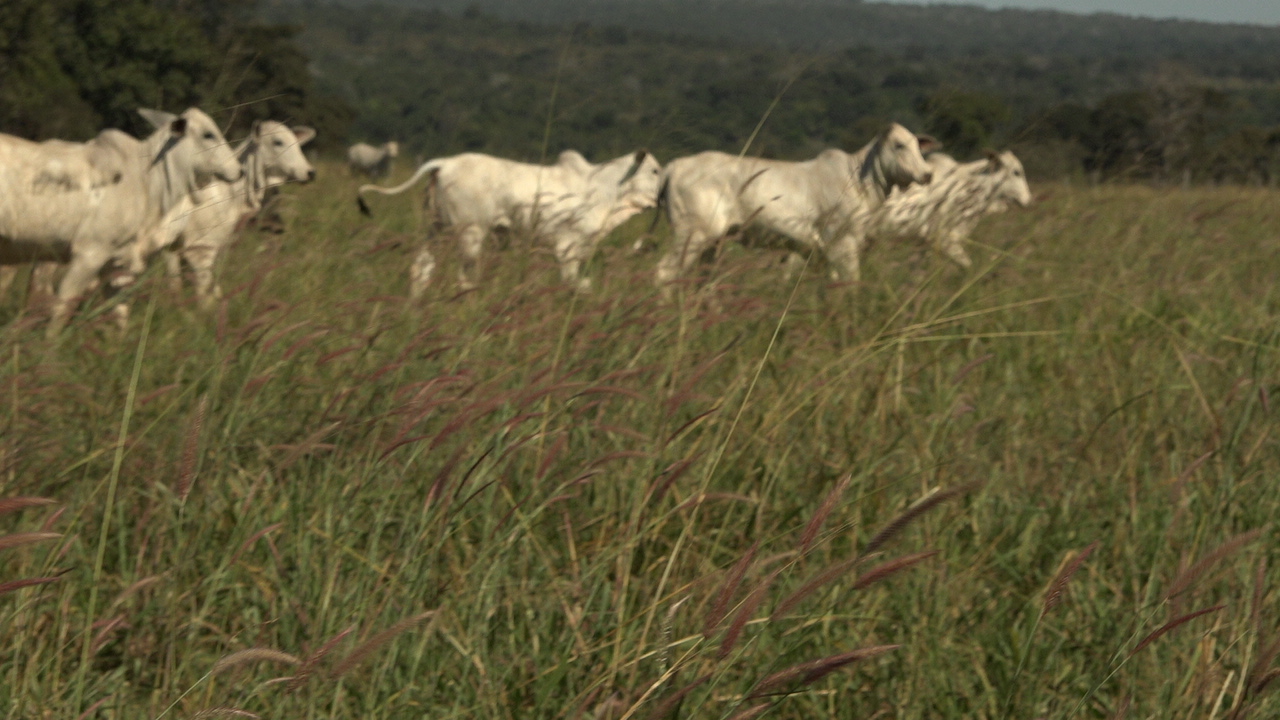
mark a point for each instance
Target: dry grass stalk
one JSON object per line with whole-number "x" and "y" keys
{"x": 1259, "y": 594}
{"x": 1261, "y": 665}
{"x": 812, "y": 586}
{"x": 884, "y": 570}
{"x": 12, "y": 585}
{"x": 191, "y": 449}
{"x": 223, "y": 712}
{"x": 1058, "y": 588}
{"x": 108, "y": 627}
{"x": 824, "y": 511}
{"x": 1188, "y": 577}
{"x": 253, "y": 655}
{"x": 14, "y": 504}
{"x": 1181, "y": 481}
{"x": 674, "y": 471}
{"x": 896, "y": 525}
{"x": 728, "y": 589}
{"x": 362, "y": 653}
{"x": 1264, "y": 681}
{"x": 89, "y": 711}
{"x": 8, "y": 542}
{"x": 752, "y": 712}
{"x": 809, "y": 672}
{"x": 253, "y": 539}
{"x": 1172, "y": 625}
{"x": 670, "y": 702}
{"x": 1122, "y": 711}
{"x": 309, "y": 665}
{"x": 745, "y": 613}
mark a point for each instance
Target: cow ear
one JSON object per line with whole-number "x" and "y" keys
{"x": 304, "y": 134}
{"x": 641, "y": 154}
{"x": 993, "y": 158}
{"x": 929, "y": 143}
{"x": 157, "y": 118}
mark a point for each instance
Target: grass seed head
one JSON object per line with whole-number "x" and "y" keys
{"x": 1058, "y": 588}
{"x": 254, "y": 655}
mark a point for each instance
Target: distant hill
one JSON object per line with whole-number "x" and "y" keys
{"x": 1108, "y": 94}
{"x": 1219, "y": 49}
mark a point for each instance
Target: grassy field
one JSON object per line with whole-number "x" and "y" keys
{"x": 1000, "y": 494}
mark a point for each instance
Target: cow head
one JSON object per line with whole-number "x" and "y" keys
{"x": 280, "y": 152}
{"x": 898, "y": 156}
{"x": 642, "y": 180}
{"x": 1012, "y": 186}
{"x": 195, "y": 144}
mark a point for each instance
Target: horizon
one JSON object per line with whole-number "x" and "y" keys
{"x": 1245, "y": 12}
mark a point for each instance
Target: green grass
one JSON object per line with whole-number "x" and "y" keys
{"x": 544, "y": 499}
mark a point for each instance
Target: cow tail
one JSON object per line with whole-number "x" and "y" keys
{"x": 427, "y": 168}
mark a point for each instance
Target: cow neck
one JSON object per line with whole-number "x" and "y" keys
{"x": 254, "y": 181}
{"x": 871, "y": 172}
{"x": 167, "y": 182}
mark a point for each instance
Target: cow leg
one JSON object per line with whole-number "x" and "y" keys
{"x": 420, "y": 272}
{"x": 8, "y": 274}
{"x": 202, "y": 261}
{"x": 792, "y": 264}
{"x": 952, "y": 247}
{"x": 470, "y": 243}
{"x": 173, "y": 268}
{"x": 40, "y": 288}
{"x": 679, "y": 258}
{"x": 571, "y": 252}
{"x": 81, "y": 273}
{"x": 843, "y": 253}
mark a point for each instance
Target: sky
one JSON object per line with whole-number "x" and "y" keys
{"x": 1264, "y": 12}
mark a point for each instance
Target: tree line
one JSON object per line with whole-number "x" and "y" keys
{"x": 444, "y": 82}
{"x": 1204, "y": 109}
{"x": 69, "y": 68}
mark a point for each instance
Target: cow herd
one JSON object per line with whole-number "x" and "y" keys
{"x": 106, "y": 207}
{"x": 898, "y": 187}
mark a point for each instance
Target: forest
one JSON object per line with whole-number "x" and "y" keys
{"x": 69, "y": 68}
{"x": 1186, "y": 102}
{"x": 1102, "y": 96}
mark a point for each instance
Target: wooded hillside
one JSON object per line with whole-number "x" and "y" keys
{"x": 1176, "y": 100}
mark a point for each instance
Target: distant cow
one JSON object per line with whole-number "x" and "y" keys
{"x": 85, "y": 204}
{"x": 200, "y": 231}
{"x": 817, "y": 205}
{"x": 372, "y": 161}
{"x": 571, "y": 205}
{"x": 944, "y": 213}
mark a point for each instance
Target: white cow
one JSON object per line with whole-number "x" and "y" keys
{"x": 572, "y": 205}
{"x": 941, "y": 163}
{"x": 944, "y": 213}
{"x": 199, "y": 231}
{"x": 372, "y": 161}
{"x": 817, "y": 205}
{"x": 84, "y": 204}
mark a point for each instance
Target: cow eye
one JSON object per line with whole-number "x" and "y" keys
{"x": 208, "y": 135}
{"x": 901, "y": 146}
{"x": 278, "y": 142}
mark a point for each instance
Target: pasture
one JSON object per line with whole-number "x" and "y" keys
{"x": 521, "y": 502}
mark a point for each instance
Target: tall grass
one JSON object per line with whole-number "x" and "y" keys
{"x": 1014, "y": 493}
